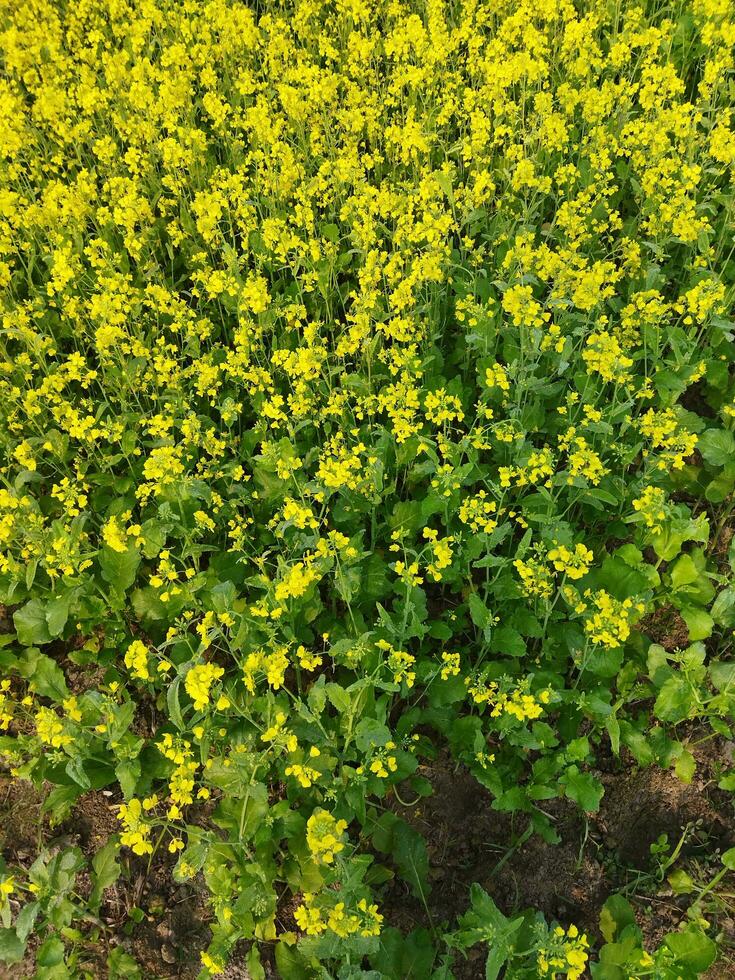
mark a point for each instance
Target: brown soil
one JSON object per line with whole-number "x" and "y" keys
{"x": 569, "y": 882}
{"x": 666, "y": 627}
{"x": 20, "y": 823}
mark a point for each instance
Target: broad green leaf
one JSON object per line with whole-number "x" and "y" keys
{"x": 26, "y": 919}
{"x": 508, "y": 641}
{"x": 57, "y": 613}
{"x": 119, "y": 568}
{"x": 692, "y": 948}
{"x": 122, "y": 966}
{"x": 583, "y": 788}
{"x": 75, "y": 769}
{"x": 675, "y": 700}
{"x": 684, "y": 572}
{"x": 30, "y": 624}
{"x": 717, "y": 446}
{"x": 47, "y": 677}
{"x": 411, "y": 858}
{"x": 12, "y": 949}
{"x": 338, "y": 697}
{"x": 681, "y": 882}
{"x": 685, "y": 766}
{"x": 50, "y": 953}
{"x": 699, "y": 622}
{"x": 106, "y": 870}
{"x": 617, "y": 914}
{"x": 722, "y": 675}
{"x": 723, "y": 608}
{"x": 290, "y": 963}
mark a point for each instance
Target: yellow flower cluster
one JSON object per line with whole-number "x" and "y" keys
{"x": 518, "y": 702}
{"x": 479, "y": 513}
{"x": 496, "y": 376}
{"x": 604, "y": 355}
{"x": 383, "y": 762}
{"x": 652, "y": 507}
{"x": 399, "y": 663}
{"x": 610, "y": 621}
{"x": 7, "y": 887}
{"x": 441, "y": 552}
{"x": 6, "y": 705}
{"x": 198, "y": 682}
{"x": 323, "y": 835}
{"x": 136, "y": 660}
{"x": 536, "y": 577}
{"x": 668, "y": 437}
{"x": 574, "y": 563}
{"x": 565, "y": 955}
{"x": 289, "y": 291}
{"x": 136, "y": 831}
{"x": 314, "y": 919}
{"x": 51, "y": 729}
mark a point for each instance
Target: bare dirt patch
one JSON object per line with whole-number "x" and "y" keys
{"x": 469, "y": 842}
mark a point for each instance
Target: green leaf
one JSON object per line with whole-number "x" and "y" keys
{"x": 26, "y": 919}
{"x": 479, "y": 613}
{"x": 722, "y": 675}
{"x": 60, "y": 801}
{"x": 51, "y": 953}
{"x": 684, "y": 572}
{"x": 46, "y": 676}
{"x": 723, "y": 609}
{"x": 338, "y": 697}
{"x": 410, "y": 957}
{"x": 508, "y": 641}
{"x": 148, "y": 607}
{"x": 692, "y": 948}
{"x": 253, "y": 963}
{"x": 728, "y": 859}
{"x": 370, "y": 732}
{"x": 57, "y": 613}
{"x": 721, "y": 487}
{"x": 119, "y": 568}
{"x": 681, "y": 882}
{"x": 172, "y": 702}
{"x": 30, "y": 624}
{"x": 613, "y": 730}
{"x": 717, "y": 446}
{"x": 375, "y": 581}
{"x": 583, "y": 789}
{"x": 12, "y": 949}
{"x": 411, "y": 858}
{"x": 699, "y": 622}
{"x": 617, "y": 913}
{"x": 290, "y": 963}
{"x": 122, "y": 965}
{"x": 317, "y": 696}
{"x": 75, "y": 769}
{"x": 106, "y": 870}
{"x": 685, "y": 766}
{"x": 674, "y": 700}
{"x": 127, "y": 773}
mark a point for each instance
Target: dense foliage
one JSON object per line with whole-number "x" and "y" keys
{"x": 366, "y": 388}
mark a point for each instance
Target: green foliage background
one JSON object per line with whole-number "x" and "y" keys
{"x": 367, "y": 392}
